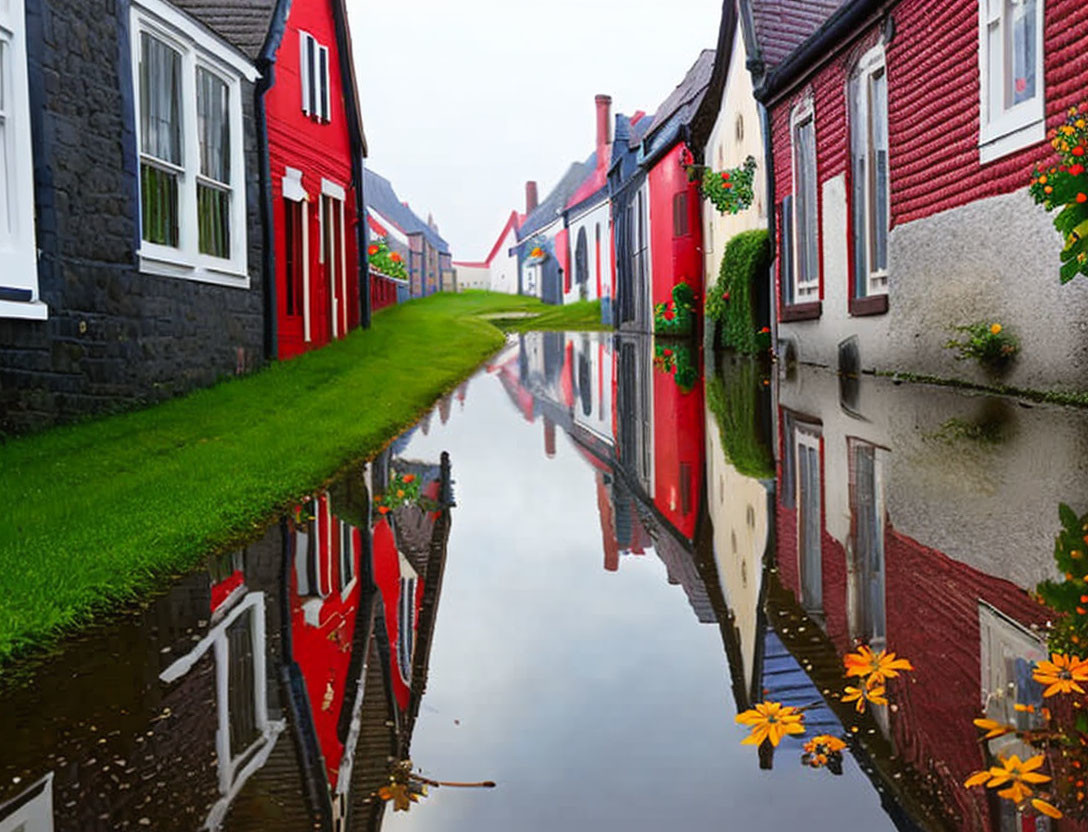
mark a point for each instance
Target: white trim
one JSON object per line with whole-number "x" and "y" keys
{"x": 306, "y": 329}
{"x": 858, "y": 82}
{"x": 33, "y": 310}
{"x": 809, "y": 291}
{"x": 292, "y": 185}
{"x": 330, "y": 188}
{"x": 1023, "y": 124}
{"x": 343, "y": 269}
{"x": 18, "y": 246}
{"x": 186, "y": 261}
{"x": 391, "y": 228}
{"x": 304, "y": 71}
{"x": 198, "y": 34}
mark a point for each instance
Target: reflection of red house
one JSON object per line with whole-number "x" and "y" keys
{"x": 401, "y": 589}
{"x": 315, "y": 148}
{"x": 957, "y": 625}
{"x": 325, "y": 595}
{"x": 679, "y": 423}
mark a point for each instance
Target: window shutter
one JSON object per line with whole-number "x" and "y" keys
{"x": 304, "y": 70}
{"x": 311, "y": 76}
{"x": 324, "y": 75}
{"x": 786, "y": 251}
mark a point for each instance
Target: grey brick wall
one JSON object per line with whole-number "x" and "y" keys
{"x": 115, "y": 338}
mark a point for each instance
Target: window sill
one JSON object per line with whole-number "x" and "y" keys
{"x": 33, "y": 310}
{"x": 164, "y": 267}
{"x": 801, "y": 312}
{"x": 995, "y": 145}
{"x": 871, "y": 305}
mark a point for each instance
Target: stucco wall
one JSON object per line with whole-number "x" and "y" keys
{"x": 504, "y": 266}
{"x": 590, "y": 221}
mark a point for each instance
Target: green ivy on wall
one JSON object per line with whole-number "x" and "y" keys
{"x": 731, "y": 301}
{"x": 734, "y": 396}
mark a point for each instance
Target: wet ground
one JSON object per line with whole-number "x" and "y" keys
{"x": 569, "y": 579}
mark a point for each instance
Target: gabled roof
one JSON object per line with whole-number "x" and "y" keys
{"x": 242, "y": 23}
{"x": 381, "y": 197}
{"x": 512, "y": 223}
{"x": 552, "y": 206}
{"x": 783, "y": 25}
{"x": 680, "y": 107}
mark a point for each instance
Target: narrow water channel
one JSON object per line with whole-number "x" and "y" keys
{"x": 569, "y": 578}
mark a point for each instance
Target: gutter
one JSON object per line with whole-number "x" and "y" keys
{"x": 266, "y": 65}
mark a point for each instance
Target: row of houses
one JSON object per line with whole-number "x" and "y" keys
{"x": 181, "y": 198}
{"x": 895, "y": 142}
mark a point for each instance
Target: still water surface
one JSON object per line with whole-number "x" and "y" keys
{"x": 595, "y": 565}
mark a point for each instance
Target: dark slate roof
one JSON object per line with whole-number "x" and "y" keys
{"x": 781, "y": 26}
{"x": 556, "y": 201}
{"x": 681, "y": 105}
{"x": 382, "y": 198}
{"x": 242, "y": 23}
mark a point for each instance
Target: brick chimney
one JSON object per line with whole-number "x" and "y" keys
{"x": 604, "y": 129}
{"x": 530, "y": 197}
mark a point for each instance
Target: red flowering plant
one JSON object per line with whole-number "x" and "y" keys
{"x": 676, "y": 317}
{"x": 403, "y": 489}
{"x": 381, "y": 259}
{"x": 730, "y": 191}
{"x": 1064, "y": 187}
{"x": 676, "y": 358}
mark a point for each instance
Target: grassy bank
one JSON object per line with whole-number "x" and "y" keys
{"x": 584, "y": 315}
{"x": 99, "y": 513}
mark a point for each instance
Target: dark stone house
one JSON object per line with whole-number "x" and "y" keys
{"x": 131, "y": 257}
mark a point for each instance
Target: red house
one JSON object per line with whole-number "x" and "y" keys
{"x": 315, "y": 155}
{"x": 663, "y": 218}
{"x": 903, "y": 136}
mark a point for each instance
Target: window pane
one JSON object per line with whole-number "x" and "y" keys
{"x": 160, "y": 105}
{"x": 213, "y": 216}
{"x": 995, "y": 62}
{"x": 859, "y": 140}
{"x": 878, "y": 100}
{"x": 1020, "y": 25}
{"x": 787, "y": 251}
{"x": 807, "y": 240}
{"x": 680, "y": 214}
{"x": 159, "y": 205}
{"x": 324, "y": 75}
{"x": 6, "y": 182}
{"x": 311, "y": 71}
{"x": 213, "y": 126}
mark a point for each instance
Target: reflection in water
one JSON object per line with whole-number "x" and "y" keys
{"x": 282, "y": 687}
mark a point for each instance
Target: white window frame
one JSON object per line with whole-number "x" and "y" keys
{"x": 807, "y": 291}
{"x": 862, "y": 121}
{"x": 198, "y": 50}
{"x": 338, "y": 257}
{"x": 18, "y": 245}
{"x": 1023, "y": 124}
{"x": 318, "y": 109}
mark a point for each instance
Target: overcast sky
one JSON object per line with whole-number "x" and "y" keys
{"x": 464, "y": 101}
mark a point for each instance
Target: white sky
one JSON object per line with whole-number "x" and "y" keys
{"x": 464, "y": 101}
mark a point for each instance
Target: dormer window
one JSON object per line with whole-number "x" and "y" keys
{"x": 314, "y": 73}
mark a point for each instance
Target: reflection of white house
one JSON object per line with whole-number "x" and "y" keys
{"x": 593, "y": 368}
{"x": 245, "y": 736}
{"x": 32, "y": 811}
{"x": 740, "y": 515}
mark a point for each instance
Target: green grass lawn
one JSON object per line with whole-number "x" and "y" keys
{"x": 102, "y": 512}
{"x": 584, "y": 315}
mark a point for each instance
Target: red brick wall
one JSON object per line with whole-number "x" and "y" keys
{"x": 933, "y": 104}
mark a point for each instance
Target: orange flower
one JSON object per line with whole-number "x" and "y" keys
{"x": 771, "y": 721}
{"x": 395, "y": 257}
{"x": 867, "y": 693}
{"x": 383, "y": 509}
{"x": 995, "y": 329}
{"x": 876, "y": 667}
{"x": 1061, "y": 674}
{"x": 1045, "y": 808}
{"x": 372, "y": 250}
{"x": 409, "y": 478}
{"x": 1018, "y": 774}
{"x": 993, "y": 729}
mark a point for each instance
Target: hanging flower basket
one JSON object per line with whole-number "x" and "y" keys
{"x": 1064, "y": 187}
{"x": 381, "y": 259}
{"x": 677, "y": 359}
{"x": 730, "y": 191}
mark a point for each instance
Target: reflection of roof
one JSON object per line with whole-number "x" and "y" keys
{"x": 681, "y": 105}
{"x": 783, "y": 25}
{"x": 381, "y": 197}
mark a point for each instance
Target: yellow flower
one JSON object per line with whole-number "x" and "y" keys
{"x": 771, "y": 721}
{"x": 995, "y": 329}
{"x": 876, "y": 667}
{"x": 1018, "y": 774}
{"x": 1045, "y": 808}
{"x": 1067, "y": 130}
{"x": 978, "y": 778}
{"x": 1061, "y": 674}
{"x": 1080, "y": 123}
{"x": 993, "y": 729}
{"x": 859, "y": 696}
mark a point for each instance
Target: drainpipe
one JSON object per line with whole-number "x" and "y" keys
{"x": 266, "y": 65}
{"x": 772, "y": 216}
